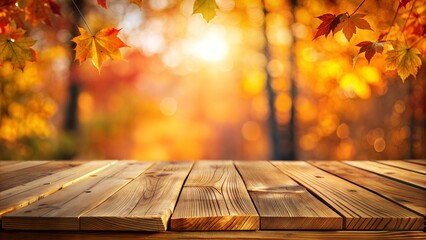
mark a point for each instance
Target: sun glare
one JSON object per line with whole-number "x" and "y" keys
{"x": 213, "y": 47}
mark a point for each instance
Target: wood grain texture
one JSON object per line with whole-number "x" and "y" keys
{"x": 15, "y": 178}
{"x": 281, "y": 202}
{"x": 8, "y": 162}
{"x": 290, "y": 235}
{"x": 362, "y": 209}
{"x": 145, "y": 204}
{"x": 17, "y": 165}
{"x": 403, "y": 194}
{"x": 214, "y": 198}
{"x": 417, "y": 161}
{"x": 61, "y": 211}
{"x": 23, "y": 195}
{"x": 405, "y": 165}
{"x": 415, "y": 179}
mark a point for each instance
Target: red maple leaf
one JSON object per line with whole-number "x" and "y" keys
{"x": 403, "y": 3}
{"x": 8, "y": 13}
{"x": 103, "y": 4}
{"x": 329, "y": 23}
{"x": 40, "y": 10}
{"x": 370, "y": 48}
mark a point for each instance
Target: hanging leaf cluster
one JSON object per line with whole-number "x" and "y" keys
{"x": 404, "y": 54}
{"x": 17, "y": 16}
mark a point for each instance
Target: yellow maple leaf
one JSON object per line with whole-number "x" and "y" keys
{"x": 16, "y": 48}
{"x": 207, "y": 8}
{"x": 102, "y": 46}
{"x": 403, "y": 59}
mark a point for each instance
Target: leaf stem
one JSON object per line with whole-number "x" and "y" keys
{"x": 82, "y": 17}
{"x": 417, "y": 42}
{"x": 359, "y": 6}
{"x": 408, "y": 17}
{"x": 393, "y": 20}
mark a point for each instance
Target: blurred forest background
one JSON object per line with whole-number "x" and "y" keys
{"x": 250, "y": 84}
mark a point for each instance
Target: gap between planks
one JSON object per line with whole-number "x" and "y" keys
{"x": 23, "y": 195}
{"x": 409, "y": 177}
{"x": 61, "y": 211}
{"x": 281, "y": 202}
{"x": 362, "y": 209}
{"x": 214, "y": 198}
{"x": 145, "y": 204}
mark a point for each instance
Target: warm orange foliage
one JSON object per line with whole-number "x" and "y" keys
{"x": 16, "y": 48}
{"x": 102, "y": 46}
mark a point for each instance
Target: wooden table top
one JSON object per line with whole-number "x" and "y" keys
{"x": 212, "y": 199}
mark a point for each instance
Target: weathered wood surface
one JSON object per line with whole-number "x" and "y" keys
{"x": 290, "y": 235}
{"x": 212, "y": 195}
{"x": 10, "y": 179}
{"x": 362, "y": 209}
{"x": 25, "y": 194}
{"x": 145, "y": 204}
{"x": 403, "y": 194}
{"x": 417, "y": 161}
{"x": 405, "y": 165}
{"x": 281, "y": 202}
{"x": 410, "y": 177}
{"x": 14, "y": 166}
{"x": 62, "y": 210}
{"x": 214, "y": 198}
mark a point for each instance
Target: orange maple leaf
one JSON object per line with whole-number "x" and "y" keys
{"x": 403, "y": 59}
{"x": 349, "y": 23}
{"x": 371, "y": 48}
{"x": 137, "y": 2}
{"x": 16, "y": 48}
{"x": 100, "y": 47}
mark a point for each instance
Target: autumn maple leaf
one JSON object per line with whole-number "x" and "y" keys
{"x": 103, "y": 4}
{"x": 403, "y": 3}
{"x": 10, "y": 13}
{"x": 16, "y": 48}
{"x": 329, "y": 23}
{"x": 100, "y": 47}
{"x": 371, "y": 48}
{"x": 206, "y": 7}
{"x": 403, "y": 59}
{"x": 349, "y": 24}
{"x": 41, "y": 10}
{"x": 137, "y": 2}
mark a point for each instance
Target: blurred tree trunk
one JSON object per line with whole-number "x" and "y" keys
{"x": 71, "y": 112}
{"x": 282, "y": 138}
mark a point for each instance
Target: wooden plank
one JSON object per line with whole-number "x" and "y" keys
{"x": 281, "y": 202}
{"x": 214, "y": 198}
{"x": 290, "y": 235}
{"x": 145, "y": 204}
{"x": 362, "y": 209}
{"x": 25, "y": 175}
{"x": 19, "y": 165}
{"x": 23, "y": 195}
{"x": 403, "y": 194}
{"x": 405, "y": 165}
{"x": 415, "y": 179}
{"x": 61, "y": 211}
{"x": 417, "y": 161}
{"x": 7, "y": 162}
